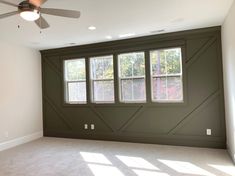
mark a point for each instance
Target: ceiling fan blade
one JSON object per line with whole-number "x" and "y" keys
{"x": 8, "y": 14}
{"x": 8, "y": 3}
{"x": 42, "y": 23}
{"x": 37, "y": 3}
{"x": 61, "y": 12}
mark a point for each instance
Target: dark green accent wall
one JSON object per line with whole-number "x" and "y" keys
{"x": 176, "y": 124}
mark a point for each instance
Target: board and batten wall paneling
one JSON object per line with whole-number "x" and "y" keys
{"x": 176, "y": 124}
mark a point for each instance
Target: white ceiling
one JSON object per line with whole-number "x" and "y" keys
{"x": 112, "y": 17}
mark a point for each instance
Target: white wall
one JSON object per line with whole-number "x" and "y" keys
{"x": 228, "y": 44}
{"x": 20, "y": 92}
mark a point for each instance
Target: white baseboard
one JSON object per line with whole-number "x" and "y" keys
{"x": 231, "y": 154}
{"x": 21, "y": 140}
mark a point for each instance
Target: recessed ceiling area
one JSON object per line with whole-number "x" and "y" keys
{"x": 112, "y": 19}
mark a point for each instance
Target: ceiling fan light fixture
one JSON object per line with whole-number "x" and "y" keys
{"x": 30, "y": 10}
{"x": 30, "y": 15}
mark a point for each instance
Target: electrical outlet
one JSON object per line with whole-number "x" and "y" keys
{"x": 85, "y": 126}
{"x": 92, "y": 126}
{"x": 208, "y": 132}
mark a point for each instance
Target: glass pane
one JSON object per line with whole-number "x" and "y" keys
{"x": 158, "y": 62}
{"x": 167, "y": 65}
{"x": 77, "y": 92}
{"x": 167, "y": 89}
{"x": 102, "y": 67}
{"x": 126, "y": 90}
{"x": 75, "y": 70}
{"x": 133, "y": 90}
{"x": 174, "y": 88}
{"x": 159, "y": 88}
{"x": 132, "y": 64}
{"x": 173, "y": 57}
{"x": 167, "y": 61}
{"x": 104, "y": 91}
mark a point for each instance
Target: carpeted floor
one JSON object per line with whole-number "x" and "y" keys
{"x": 71, "y": 157}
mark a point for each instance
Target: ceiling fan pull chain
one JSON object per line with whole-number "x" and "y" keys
{"x": 40, "y": 24}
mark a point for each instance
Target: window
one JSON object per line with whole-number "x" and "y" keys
{"x": 166, "y": 78}
{"x": 166, "y": 71}
{"x": 75, "y": 81}
{"x": 102, "y": 79}
{"x": 132, "y": 77}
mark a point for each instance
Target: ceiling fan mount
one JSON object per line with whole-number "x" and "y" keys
{"x": 31, "y": 10}
{"x": 27, "y": 6}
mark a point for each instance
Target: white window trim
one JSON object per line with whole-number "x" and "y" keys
{"x": 66, "y": 92}
{"x": 180, "y": 75}
{"x": 130, "y": 78}
{"x": 92, "y": 81}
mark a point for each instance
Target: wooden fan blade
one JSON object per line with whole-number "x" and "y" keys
{"x": 37, "y": 3}
{"x": 8, "y": 3}
{"x": 42, "y": 23}
{"x": 61, "y": 12}
{"x": 8, "y": 14}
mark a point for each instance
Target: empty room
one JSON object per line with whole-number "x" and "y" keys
{"x": 117, "y": 88}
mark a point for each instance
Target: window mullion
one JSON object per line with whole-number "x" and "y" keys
{"x": 116, "y": 81}
{"x": 88, "y": 84}
{"x": 132, "y": 89}
{"x": 148, "y": 76}
{"x": 166, "y": 75}
{"x": 67, "y": 91}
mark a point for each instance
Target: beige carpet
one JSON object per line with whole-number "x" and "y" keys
{"x": 71, "y": 157}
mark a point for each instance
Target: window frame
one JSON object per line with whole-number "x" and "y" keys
{"x": 92, "y": 81}
{"x": 115, "y": 52}
{"x": 181, "y": 75}
{"x": 119, "y": 78}
{"x": 66, "y": 83}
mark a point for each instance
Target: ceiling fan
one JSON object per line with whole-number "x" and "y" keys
{"x": 31, "y": 10}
